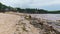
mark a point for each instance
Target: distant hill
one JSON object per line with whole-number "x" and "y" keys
{"x": 4, "y": 8}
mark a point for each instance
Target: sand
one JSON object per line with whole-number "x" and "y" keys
{"x": 8, "y": 23}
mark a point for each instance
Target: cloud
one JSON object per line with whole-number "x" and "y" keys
{"x": 44, "y": 3}
{"x": 30, "y": 3}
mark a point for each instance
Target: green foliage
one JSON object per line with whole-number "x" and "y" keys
{"x": 3, "y": 8}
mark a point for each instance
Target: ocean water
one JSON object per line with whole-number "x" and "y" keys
{"x": 52, "y": 17}
{"x": 47, "y": 16}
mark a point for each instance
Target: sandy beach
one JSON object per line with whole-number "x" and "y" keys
{"x": 16, "y": 23}
{"x": 8, "y": 23}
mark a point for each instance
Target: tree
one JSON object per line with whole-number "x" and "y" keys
{"x": 0, "y": 7}
{"x": 42, "y": 11}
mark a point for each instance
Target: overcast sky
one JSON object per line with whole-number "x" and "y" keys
{"x": 41, "y": 4}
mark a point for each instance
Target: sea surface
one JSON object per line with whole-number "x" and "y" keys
{"x": 47, "y": 16}
{"x": 52, "y": 17}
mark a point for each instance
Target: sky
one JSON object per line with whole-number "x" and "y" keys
{"x": 40, "y": 4}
